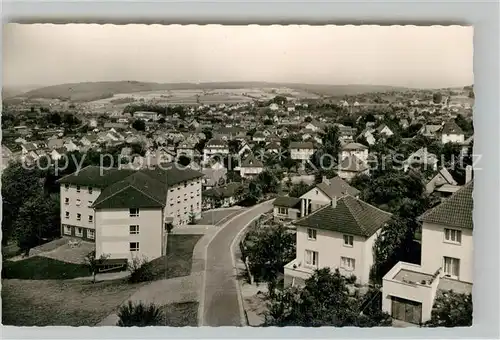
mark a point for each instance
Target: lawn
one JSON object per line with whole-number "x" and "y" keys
{"x": 179, "y": 257}
{"x": 213, "y": 217}
{"x": 42, "y": 268}
{"x": 61, "y": 303}
{"x": 181, "y": 314}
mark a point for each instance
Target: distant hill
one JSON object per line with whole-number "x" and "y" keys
{"x": 89, "y": 91}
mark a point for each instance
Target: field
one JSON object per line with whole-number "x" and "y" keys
{"x": 186, "y": 93}
{"x": 61, "y": 303}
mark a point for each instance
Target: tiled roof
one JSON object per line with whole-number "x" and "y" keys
{"x": 251, "y": 162}
{"x": 455, "y": 211}
{"x": 285, "y": 201}
{"x": 301, "y": 145}
{"x": 352, "y": 163}
{"x": 349, "y": 216}
{"x": 451, "y": 128}
{"x": 354, "y": 146}
{"x": 337, "y": 187}
{"x": 124, "y": 188}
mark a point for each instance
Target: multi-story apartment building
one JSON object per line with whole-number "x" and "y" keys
{"x": 126, "y": 212}
{"x": 355, "y": 149}
{"x": 340, "y": 236}
{"x": 409, "y": 290}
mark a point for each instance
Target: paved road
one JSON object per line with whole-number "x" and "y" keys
{"x": 221, "y": 306}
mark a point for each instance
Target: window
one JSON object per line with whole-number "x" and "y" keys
{"x": 78, "y": 202}
{"x": 79, "y": 232}
{"x": 78, "y": 217}
{"x": 451, "y": 266}
{"x": 347, "y": 263}
{"x": 67, "y": 214}
{"x": 134, "y": 229}
{"x": 66, "y": 201}
{"x": 91, "y": 218}
{"x": 77, "y": 188}
{"x": 90, "y": 234}
{"x": 134, "y": 212}
{"x": 453, "y": 236}
{"x": 311, "y": 234}
{"x": 312, "y": 258}
{"x": 348, "y": 240}
{"x": 90, "y": 204}
{"x": 66, "y": 187}
{"x": 317, "y": 192}
{"x": 282, "y": 211}
{"x": 90, "y": 190}
{"x": 67, "y": 230}
{"x": 134, "y": 246}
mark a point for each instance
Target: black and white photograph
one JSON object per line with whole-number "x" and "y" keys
{"x": 218, "y": 175}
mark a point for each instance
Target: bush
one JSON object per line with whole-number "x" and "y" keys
{"x": 141, "y": 270}
{"x": 139, "y": 315}
{"x": 351, "y": 279}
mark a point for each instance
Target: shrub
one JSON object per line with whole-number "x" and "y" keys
{"x": 141, "y": 270}
{"x": 139, "y": 315}
{"x": 351, "y": 279}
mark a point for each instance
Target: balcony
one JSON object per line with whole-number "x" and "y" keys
{"x": 296, "y": 273}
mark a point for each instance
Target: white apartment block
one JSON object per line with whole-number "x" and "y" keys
{"x": 339, "y": 235}
{"x": 409, "y": 290}
{"x": 126, "y": 212}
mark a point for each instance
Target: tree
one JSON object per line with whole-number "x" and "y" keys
{"x": 161, "y": 120}
{"x": 299, "y": 189}
{"x": 271, "y": 248}
{"x": 451, "y": 309}
{"x": 139, "y": 125}
{"x": 94, "y": 263}
{"x": 19, "y": 184}
{"x": 184, "y": 160}
{"x": 308, "y": 119}
{"x": 325, "y": 300}
{"x": 38, "y": 221}
{"x": 395, "y": 243}
{"x": 140, "y": 315}
{"x": 437, "y": 97}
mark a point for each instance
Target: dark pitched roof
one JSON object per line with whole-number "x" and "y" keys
{"x": 124, "y": 188}
{"x": 285, "y": 201}
{"x": 251, "y": 162}
{"x": 216, "y": 142}
{"x": 349, "y": 216}
{"x": 354, "y": 146}
{"x": 135, "y": 191}
{"x": 337, "y": 187}
{"x": 451, "y": 127}
{"x": 455, "y": 211}
{"x": 301, "y": 145}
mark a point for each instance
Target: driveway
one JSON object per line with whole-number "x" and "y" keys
{"x": 220, "y": 295}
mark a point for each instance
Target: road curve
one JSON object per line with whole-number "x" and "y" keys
{"x": 221, "y": 307}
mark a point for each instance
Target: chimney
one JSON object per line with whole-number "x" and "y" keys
{"x": 468, "y": 174}
{"x": 325, "y": 180}
{"x": 334, "y": 202}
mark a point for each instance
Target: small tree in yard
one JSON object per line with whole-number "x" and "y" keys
{"x": 95, "y": 263}
{"x": 451, "y": 310}
{"x": 141, "y": 270}
{"x": 140, "y": 315}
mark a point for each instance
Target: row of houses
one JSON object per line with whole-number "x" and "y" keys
{"x": 336, "y": 229}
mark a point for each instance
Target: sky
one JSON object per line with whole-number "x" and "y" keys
{"x": 411, "y": 56}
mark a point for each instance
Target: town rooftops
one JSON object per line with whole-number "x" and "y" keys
{"x": 285, "y": 201}
{"x": 251, "y": 162}
{"x": 455, "y": 211}
{"x": 347, "y": 215}
{"x": 301, "y": 145}
{"x": 216, "y": 143}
